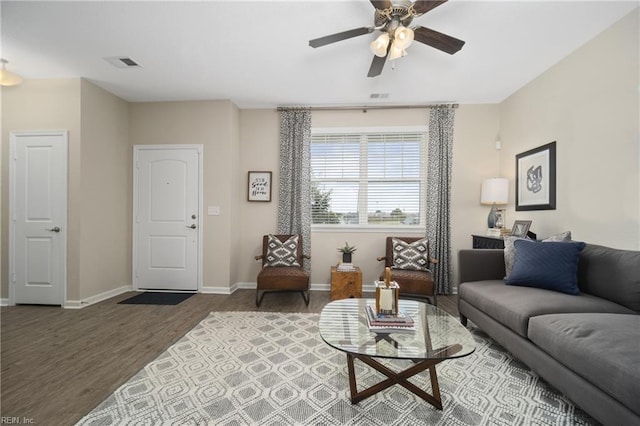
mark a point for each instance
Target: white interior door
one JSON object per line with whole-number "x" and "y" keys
{"x": 167, "y": 217}
{"x": 38, "y": 203}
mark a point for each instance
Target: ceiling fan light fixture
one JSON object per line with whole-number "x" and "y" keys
{"x": 380, "y": 44}
{"x": 8, "y": 78}
{"x": 403, "y": 37}
{"x": 396, "y": 52}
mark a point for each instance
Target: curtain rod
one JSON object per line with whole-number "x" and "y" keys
{"x": 365, "y": 108}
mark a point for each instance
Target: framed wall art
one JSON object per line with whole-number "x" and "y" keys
{"x": 259, "y": 187}
{"x": 536, "y": 178}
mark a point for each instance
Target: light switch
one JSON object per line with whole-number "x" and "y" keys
{"x": 213, "y": 210}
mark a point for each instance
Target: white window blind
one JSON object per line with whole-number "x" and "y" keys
{"x": 367, "y": 178}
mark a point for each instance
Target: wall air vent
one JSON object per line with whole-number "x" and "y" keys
{"x": 122, "y": 62}
{"x": 379, "y": 96}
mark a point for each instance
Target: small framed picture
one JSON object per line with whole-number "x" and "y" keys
{"x": 520, "y": 228}
{"x": 259, "y": 187}
{"x": 536, "y": 178}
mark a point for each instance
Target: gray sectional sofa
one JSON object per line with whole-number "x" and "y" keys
{"x": 586, "y": 345}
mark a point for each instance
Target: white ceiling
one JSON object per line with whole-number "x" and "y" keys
{"x": 256, "y": 53}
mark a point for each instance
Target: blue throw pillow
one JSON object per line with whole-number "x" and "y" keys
{"x": 548, "y": 265}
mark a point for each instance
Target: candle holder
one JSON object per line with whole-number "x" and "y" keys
{"x": 387, "y": 298}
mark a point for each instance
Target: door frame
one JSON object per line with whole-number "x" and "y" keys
{"x": 136, "y": 150}
{"x": 13, "y": 136}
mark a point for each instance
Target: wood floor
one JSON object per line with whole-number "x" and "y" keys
{"x": 58, "y": 364}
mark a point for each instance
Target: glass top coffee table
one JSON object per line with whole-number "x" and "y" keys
{"x": 437, "y": 337}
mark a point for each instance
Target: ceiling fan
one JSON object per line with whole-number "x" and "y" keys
{"x": 392, "y": 18}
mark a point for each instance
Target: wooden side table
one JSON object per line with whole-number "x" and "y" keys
{"x": 347, "y": 284}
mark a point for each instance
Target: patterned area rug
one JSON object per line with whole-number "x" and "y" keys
{"x": 243, "y": 368}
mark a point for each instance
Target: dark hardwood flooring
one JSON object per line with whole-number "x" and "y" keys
{"x": 58, "y": 364}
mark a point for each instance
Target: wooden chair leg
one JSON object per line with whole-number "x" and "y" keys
{"x": 305, "y": 296}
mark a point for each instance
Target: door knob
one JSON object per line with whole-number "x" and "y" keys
{"x": 193, "y": 226}
{"x": 54, "y": 229}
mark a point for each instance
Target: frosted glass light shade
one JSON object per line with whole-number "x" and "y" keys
{"x": 403, "y": 37}
{"x": 395, "y": 52}
{"x": 379, "y": 45}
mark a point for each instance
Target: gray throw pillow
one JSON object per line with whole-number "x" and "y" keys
{"x": 510, "y": 251}
{"x": 412, "y": 256}
{"x": 282, "y": 253}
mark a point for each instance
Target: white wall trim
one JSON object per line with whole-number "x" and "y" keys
{"x": 6, "y": 302}
{"x": 217, "y": 290}
{"x": 92, "y": 300}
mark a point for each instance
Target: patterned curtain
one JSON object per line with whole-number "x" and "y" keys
{"x": 294, "y": 207}
{"x": 439, "y": 193}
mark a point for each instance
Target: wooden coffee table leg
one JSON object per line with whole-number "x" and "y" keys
{"x": 400, "y": 378}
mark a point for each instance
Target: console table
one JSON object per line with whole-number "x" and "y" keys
{"x": 486, "y": 242}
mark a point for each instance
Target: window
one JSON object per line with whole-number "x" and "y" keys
{"x": 368, "y": 178}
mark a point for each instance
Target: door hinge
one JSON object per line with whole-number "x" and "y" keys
{"x": 13, "y": 277}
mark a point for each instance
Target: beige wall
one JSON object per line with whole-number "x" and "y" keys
{"x": 104, "y": 193}
{"x": 211, "y": 124}
{"x": 44, "y": 105}
{"x": 474, "y": 158}
{"x": 589, "y": 104}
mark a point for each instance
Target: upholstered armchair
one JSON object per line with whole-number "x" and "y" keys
{"x": 282, "y": 266}
{"x": 409, "y": 260}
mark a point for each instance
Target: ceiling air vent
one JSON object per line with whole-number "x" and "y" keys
{"x": 379, "y": 96}
{"x": 122, "y": 62}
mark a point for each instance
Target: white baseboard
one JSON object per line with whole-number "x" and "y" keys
{"x": 79, "y": 304}
{"x": 253, "y": 285}
{"x": 217, "y": 290}
{"x": 5, "y": 302}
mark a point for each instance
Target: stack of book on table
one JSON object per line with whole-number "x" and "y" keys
{"x": 345, "y": 267}
{"x": 381, "y": 323}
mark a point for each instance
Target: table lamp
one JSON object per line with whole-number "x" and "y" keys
{"x": 494, "y": 191}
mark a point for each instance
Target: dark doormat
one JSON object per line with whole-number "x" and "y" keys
{"x": 153, "y": 298}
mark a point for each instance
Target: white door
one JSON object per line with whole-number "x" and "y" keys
{"x": 167, "y": 193}
{"x": 38, "y": 204}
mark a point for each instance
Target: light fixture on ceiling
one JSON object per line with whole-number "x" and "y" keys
{"x": 8, "y": 78}
{"x": 400, "y": 38}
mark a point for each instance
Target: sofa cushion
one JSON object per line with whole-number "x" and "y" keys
{"x": 549, "y": 265}
{"x": 510, "y": 251}
{"x": 411, "y": 256}
{"x": 602, "y": 348}
{"x": 612, "y": 274}
{"x": 512, "y": 306}
{"x": 282, "y": 253}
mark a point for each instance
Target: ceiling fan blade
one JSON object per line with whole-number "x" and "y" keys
{"x": 376, "y": 65}
{"x": 438, "y": 40}
{"x": 322, "y": 41}
{"x": 381, "y": 4}
{"x": 423, "y": 6}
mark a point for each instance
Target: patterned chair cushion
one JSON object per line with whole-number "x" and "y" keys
{"x": 281, "y": 253}
{"x": 412, "y": 256}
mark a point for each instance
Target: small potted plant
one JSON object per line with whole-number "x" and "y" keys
{"x": 347, "y": 251}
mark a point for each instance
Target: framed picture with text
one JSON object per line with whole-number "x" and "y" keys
{"x": 259, "y": 187}
{"x": 536, "y": 178}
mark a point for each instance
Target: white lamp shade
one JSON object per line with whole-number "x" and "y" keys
{"x": 403, "y": 37}
{"x": 495, "y": 190}
{"x": 379, "y": 45}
